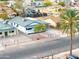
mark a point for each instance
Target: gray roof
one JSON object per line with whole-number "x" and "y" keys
{"x": 5, "y": 27}
{"x": 25, "y": 21}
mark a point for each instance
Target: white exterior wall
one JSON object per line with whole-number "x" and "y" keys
{"x": 68, "y": 1}
{"x": 8, "y": 33}
{"x": 22, "y": 29}
{"x": 54, "y": 0}
{"x": 29, "y": 31}
{"x": 11, "y": 34}
{"x": 26, "y": 3}
{"x": 2, "y": 35}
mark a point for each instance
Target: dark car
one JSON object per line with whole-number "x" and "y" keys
{"x": 34, "y": 13}
{"x": 72, "y": 57}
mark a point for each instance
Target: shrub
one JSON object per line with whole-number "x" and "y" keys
{"x": 61, "y": 3}
{"x": 48, "y": 3}
{"x": 3, "y": 15}
{"x": 61, "y": 10}
{"x": 40, "y": 28}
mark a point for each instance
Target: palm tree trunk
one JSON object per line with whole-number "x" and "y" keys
{"x": 71, "y": 44}
{"x": 71, "y": 36}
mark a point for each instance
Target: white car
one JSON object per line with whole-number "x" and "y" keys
{"x": 73, "y": 57}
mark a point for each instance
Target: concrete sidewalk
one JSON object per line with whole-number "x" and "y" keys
{"x": 63, "y": 55}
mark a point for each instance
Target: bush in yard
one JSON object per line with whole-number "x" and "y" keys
{"x": 3, "y": 15}
{"x": 48, "y": 3}
{"x": 40, "y": 28}
{"x": 61, "y": 3}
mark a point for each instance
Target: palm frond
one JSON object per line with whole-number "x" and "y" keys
{"x": 69, "y": 16}
{"x": 70, "y": 12}
{"x": 76, "y": 18}
{"x": 64, "y": 17}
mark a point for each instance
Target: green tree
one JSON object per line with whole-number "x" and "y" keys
{"x": 4, "y": 15}
{"x": 39, "y": 28}
{"x": 47, "y": 3}
{"x": 61, "y": 3}
{"x": 70, "y": 23}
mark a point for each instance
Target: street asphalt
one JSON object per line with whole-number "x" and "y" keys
{"x": 39, "y": 49}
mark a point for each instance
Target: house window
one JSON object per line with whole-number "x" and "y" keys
{"x": 11, "y": 31}
{"x": 28, "y": 28}
{"x": 0, "y": 33}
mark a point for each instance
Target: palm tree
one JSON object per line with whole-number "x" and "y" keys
{"x": 70, "y": 23}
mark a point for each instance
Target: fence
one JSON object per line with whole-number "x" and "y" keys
{"x": 22, "y": 38}
{"x": 54, "y": 57}
{"x": 49, "y": 57}
{"x": 14, "y": 40}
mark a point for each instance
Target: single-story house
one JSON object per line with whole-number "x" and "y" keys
{"x": 25, "y": 25}
{"x": 37, "y": 3}
{"x": 9, "y": 11}
{"x": 52, "y": 20}
{"x": 6, "y": 30}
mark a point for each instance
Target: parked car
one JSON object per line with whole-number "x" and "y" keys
{"x": 34, "y": 13}
{"x": 72, "y": 57}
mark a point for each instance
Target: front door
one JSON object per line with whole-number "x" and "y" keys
{"x": 6, "y": 34}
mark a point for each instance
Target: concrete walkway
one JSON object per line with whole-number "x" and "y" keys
{"x": 63, "y": 55}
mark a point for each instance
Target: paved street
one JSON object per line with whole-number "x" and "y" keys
{"x": 39, "y": 49}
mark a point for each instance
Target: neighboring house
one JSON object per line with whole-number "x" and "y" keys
{"x": 41, "y": 2}
{"x": 52, "y": 20}
{"x": 55, "y": 1}
{"x": 67, "y": 2}
{"x": 26, "y": 2}
{"x": 10, "y": 3}
{"x": 9, "y": 11}
{"x": 37, "y": 3}
{"x": 6, "y": 30}
{"x": 25, "y": 25}
{"x": 33, "y": 3}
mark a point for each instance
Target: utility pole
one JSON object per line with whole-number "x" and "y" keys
{"x": 52, "y": 54}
